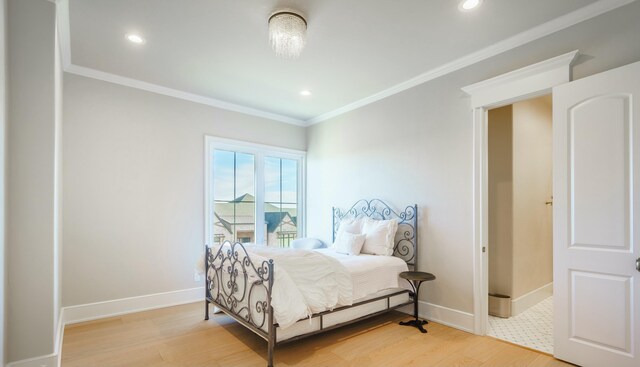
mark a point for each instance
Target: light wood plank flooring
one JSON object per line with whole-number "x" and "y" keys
{"x": 178, "y": 336}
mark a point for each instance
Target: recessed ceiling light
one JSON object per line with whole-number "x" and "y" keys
{"x": 135, "y": 38}
{"x": 305, "y": 93}
{"x": 466, "y": 5}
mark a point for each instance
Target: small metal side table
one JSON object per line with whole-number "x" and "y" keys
{"x": 416, "y": 278}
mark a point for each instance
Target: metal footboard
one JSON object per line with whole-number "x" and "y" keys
{"x": 242, "y": 289}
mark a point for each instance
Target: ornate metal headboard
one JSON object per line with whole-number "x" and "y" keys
{"x": 406, "y": 240}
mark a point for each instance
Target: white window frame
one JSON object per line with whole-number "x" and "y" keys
{"x": 259, "y": 151}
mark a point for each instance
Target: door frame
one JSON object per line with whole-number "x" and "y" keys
{"x": 525, "y": 83}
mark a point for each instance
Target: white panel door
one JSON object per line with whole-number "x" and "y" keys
{"x": 596, "y": 172}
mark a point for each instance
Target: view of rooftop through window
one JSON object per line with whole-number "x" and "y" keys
{"x": 234, "y": 198}
{"x": 281, "y": 200}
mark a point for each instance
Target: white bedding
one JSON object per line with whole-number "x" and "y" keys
{"x": 370, "y": 273}
{"x": 323, "y": 281}
{"x": 305, "y": 282}
{"x": 311, "y": 281}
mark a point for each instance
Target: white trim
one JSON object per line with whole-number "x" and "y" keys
{"x": 50, "y": 360}
{"x": 522, "y": 303}
{"x": 545, "y": 29}
{"x": 250, "y": 147}
{"x": 155, "y": 88}
{"x": 508, "y": 88}
{"x": 259, "y": 151}
{"x": 99, "y": 310}
{"x": 62, "y": 21}
{"x": 527, "y": 82}
{"x": 59, "y": 338}
{"x": 442, "y": 315}
{"x": 480, "y": 227}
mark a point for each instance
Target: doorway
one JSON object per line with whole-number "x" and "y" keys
{"x": 520, "y": 245}
{"x": 596, "y": 284}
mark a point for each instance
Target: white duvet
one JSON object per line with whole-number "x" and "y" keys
{"x": 305, "y": 282}
{"x": 371, "y": 273}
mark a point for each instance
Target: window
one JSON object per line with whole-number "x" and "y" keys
{"x": 234, "y": 204}
{"x": 285, "y": 238}
{"x": 281, "y": 200}
{"x": 253, "y": 193}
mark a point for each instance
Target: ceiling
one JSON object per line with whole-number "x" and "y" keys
{"x": 219, "y": 49}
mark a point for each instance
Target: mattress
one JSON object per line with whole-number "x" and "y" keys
{"x": 371, "y": 273}
{"x": 372, "y": 276}
{"x": 338, "y": 317}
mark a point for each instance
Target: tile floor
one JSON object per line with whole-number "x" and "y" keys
{"x": 532, "y": 328}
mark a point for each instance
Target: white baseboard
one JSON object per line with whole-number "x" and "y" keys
{"x": 59, "y": 337}
{"x": 99, "y": 310}
{"x": 443, "y": 315}
{"x": 522, "y": 303}
{"x": 50, "y": 360}
{"x": 93, "y": 311}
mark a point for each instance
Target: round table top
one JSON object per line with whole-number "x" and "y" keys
{"x": 417, "y": 275}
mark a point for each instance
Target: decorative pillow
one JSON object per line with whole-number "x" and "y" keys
{"x": 307, "y": 243}
{"x": 380, "y": 236}
{"x": 352, "y": 225}
{"x": 349, "y": 243}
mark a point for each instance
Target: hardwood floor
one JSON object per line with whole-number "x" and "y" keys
{"x": 178, "y": 336}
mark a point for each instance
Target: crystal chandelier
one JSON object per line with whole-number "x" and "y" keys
{"x": 287, "y": 33}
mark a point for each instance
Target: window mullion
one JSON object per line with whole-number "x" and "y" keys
{"x": 301, "y": 196}
{"x": 280, "y": 184}
{"x": 259, "y": 185}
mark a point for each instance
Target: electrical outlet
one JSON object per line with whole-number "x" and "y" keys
{"x": 196, "y": 276}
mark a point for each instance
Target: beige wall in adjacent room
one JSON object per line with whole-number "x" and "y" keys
{"x": 520, "y": 244}
{"x": 32, "y": 307}
{"x": 417, "y": 147}
{"x": 133, "y": 186}
{"x": 500, "y": 166}
{"x": 532, "y": 167}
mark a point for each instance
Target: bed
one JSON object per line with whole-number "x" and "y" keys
{"x": 261, "y": 287}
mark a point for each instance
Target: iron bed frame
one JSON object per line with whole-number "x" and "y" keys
{"x": 242, "y": 288}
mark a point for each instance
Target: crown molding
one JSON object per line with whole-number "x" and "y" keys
{"x": 545, "y": 29}
{"x": 532, "y": 80}
{"x": 563, "y": 60}
{"x": 150, "y": 87}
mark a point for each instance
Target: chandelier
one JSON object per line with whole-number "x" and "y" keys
{"x": 287, "y": 33}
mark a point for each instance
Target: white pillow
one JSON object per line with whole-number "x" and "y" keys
{"x": 380, "y": 236}
{"x": 351, "y": 225}
{"x": 349, "y": 243}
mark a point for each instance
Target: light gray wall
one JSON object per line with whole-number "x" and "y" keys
{"x": 31, "y": 309}
{"x": 3, "y": 125}
{"x": 416, "y": 147}
{"x": 133, "y": 186}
